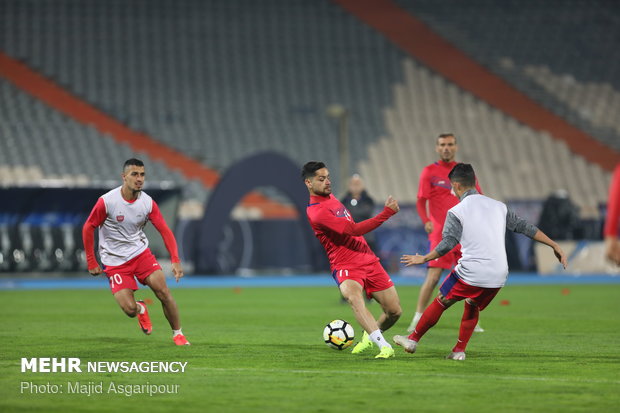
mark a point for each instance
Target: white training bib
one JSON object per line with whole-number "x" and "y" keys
{"x": 483, "y": 262}
{"x": 121, "y": 237}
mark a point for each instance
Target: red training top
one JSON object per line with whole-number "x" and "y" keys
{"x": 341, "y": 237}
{"x": 613, "y": 206}
{"x": 435, "y": 187}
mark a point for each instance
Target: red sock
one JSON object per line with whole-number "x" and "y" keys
{"x": 468, "y": 323}
{"x": 429, "y": 318}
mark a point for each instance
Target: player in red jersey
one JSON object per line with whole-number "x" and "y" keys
{"x": 120, "y": 215}
{"x": 435, "y": 191}
{"x": 612, "y": 221}
{"x": 355, "y": 268}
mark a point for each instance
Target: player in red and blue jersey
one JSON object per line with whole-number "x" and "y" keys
{"x": 355, "y": 268}
{"x": 435, "y": 191}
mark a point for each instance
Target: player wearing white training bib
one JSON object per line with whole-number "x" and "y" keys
{"x": 483, "y": 261}
{"x": 121, "y": 235}
{"x": 479, "y": 224}
{"x": 120, "y": 216}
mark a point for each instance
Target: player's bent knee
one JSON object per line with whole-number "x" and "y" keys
{"x": 351, "y": 299}
{"x": 395, "y": 312}
{"x": 444, "y": 301}
{"x": 471, "y": 302}
{"x": 130, "y": 310}
{"x": 354, "y": 299}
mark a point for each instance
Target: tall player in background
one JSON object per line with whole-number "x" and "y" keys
{"x": 434, "y": 190}
{"x": 120, "y": 215}
{"x": 612, "y": 221}
{"x": 355, "y": 268}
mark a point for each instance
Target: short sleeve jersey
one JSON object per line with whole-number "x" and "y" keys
{"x": 328, "y": 218}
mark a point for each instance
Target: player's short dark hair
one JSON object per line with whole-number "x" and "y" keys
{"x": 132, "y": 162}
{"x": 310, "y": 168}
{"x": 464, "y": 174}
{"x": 447, "y": 135}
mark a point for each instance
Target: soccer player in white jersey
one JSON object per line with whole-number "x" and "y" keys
{"x": 120, "y": 215}
{"x": 479, "y": 224}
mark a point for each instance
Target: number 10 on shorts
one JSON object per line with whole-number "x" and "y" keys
{"x": 116, "y": 278}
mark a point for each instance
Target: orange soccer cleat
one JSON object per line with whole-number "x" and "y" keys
{"x": 144, "y": 321}
{"x": 180, "y": 340}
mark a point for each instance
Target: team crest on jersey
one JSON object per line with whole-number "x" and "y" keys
{"x": 343, "y": 213}
{"x": 120, "y": 218}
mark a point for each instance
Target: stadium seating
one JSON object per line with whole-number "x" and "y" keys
{"x": 216, "y": 80}
{"x": 530, "y": 43}
{"x": 41, "y": 146}
{"x": 599, "y": 103}
{"x": 512, "y": 160}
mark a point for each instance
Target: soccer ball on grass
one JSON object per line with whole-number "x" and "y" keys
{"x": 338, "y": 334}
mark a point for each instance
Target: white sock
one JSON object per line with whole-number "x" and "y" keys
{"x": 417, "y": 317}
{"x": 141, "y": 307}
{"x": 176, "y": 332}
{"x": 378, "y": 339}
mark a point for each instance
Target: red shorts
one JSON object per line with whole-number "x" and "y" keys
{"x": 372, "y": 277}
{"x": 454, "y": 288}
{"x": 447, "y": 261}
{"x": 140, "y": 267}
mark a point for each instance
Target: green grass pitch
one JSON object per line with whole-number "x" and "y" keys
{"x": 546, "y": 348}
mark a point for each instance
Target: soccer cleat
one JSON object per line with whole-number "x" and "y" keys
{"x": 478, "y": 329}
{"x": 456, "y": 355}
{"x": 385, "y": 353}
{"x": 364, "y": 345}
{"x": 406, "y": 343}
{"x": 144, "y": 321}
{"x": 414, "y": 322}
{"x": 180, "y": 340}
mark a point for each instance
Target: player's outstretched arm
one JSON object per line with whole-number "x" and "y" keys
{"x": 326, "y": 219}
{"x": 544, "y": 239}
{"x": 364, "y": 227}
{"x": 451, "y": 235}
{"x": 520, "y": 225}
{"x": 418, "y": 259}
